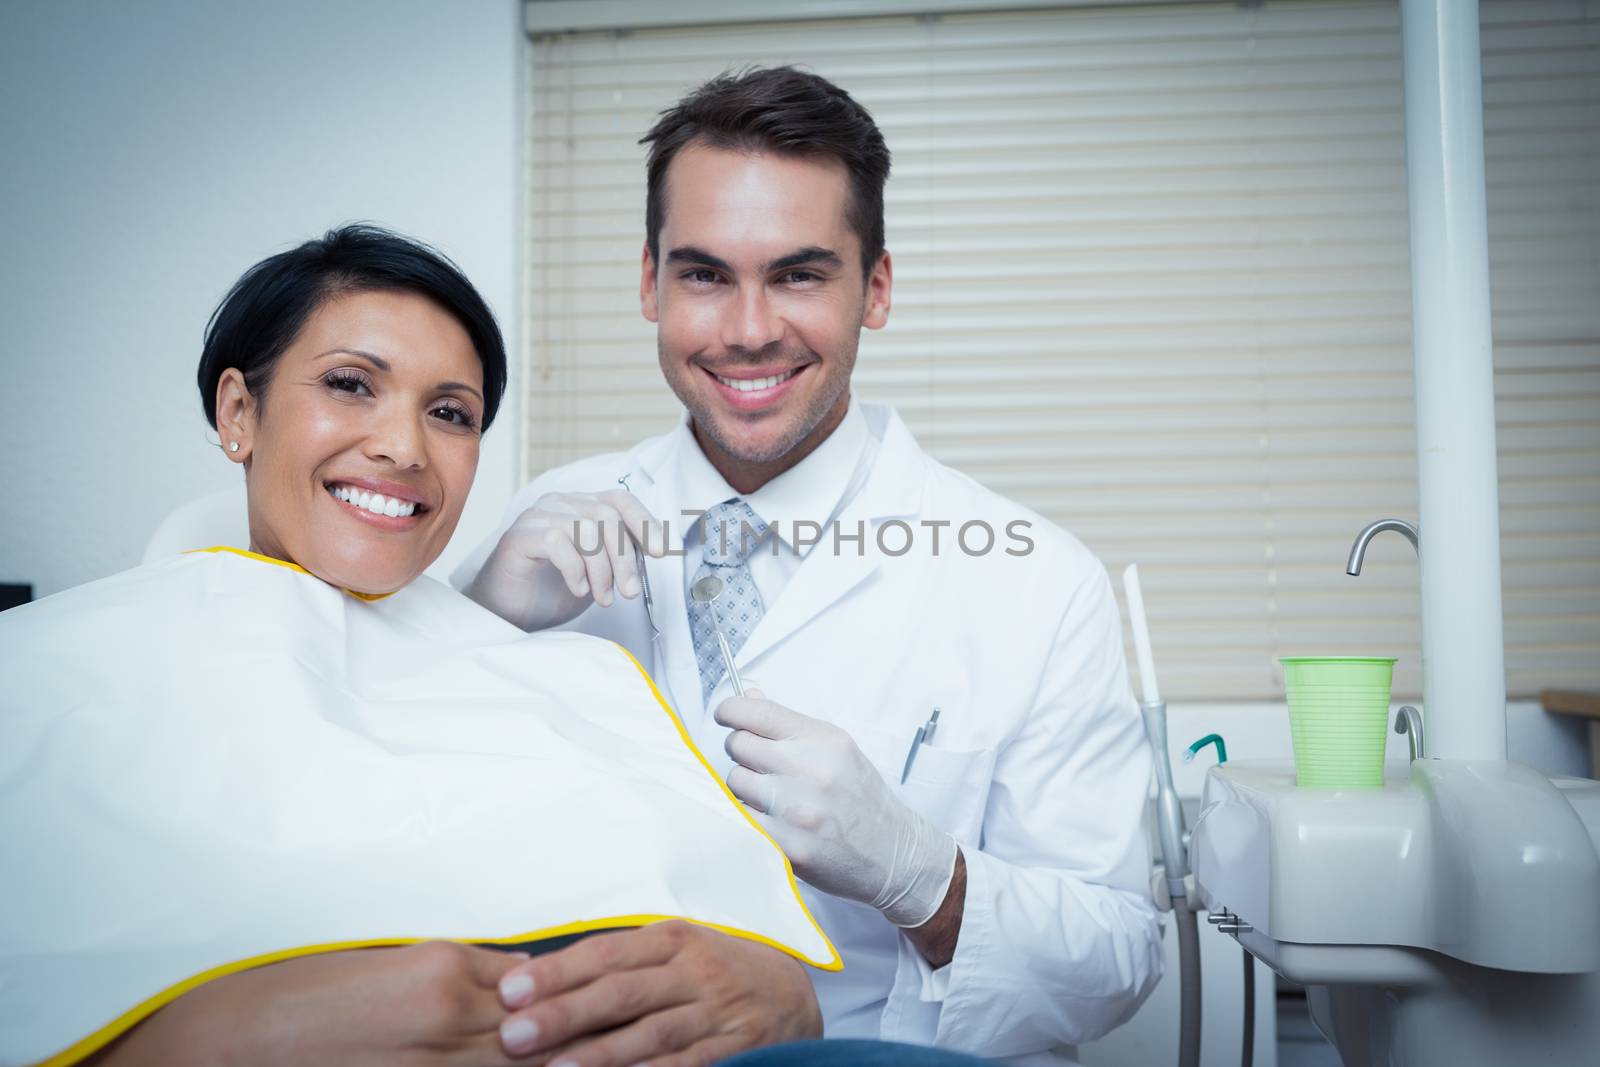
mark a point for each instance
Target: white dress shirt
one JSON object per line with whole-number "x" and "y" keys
{"x": 813, "y": 490}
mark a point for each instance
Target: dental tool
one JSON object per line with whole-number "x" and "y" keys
{"x": 706, "y": 591}
{"x": 644, "y": 574}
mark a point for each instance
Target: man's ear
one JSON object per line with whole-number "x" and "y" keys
{"x": 236, "y": 416}
{"x": 880, "y": 283}
{"x": 647, "y": 286}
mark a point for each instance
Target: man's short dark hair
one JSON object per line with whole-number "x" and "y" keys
{"x": 780, "y": 110}
{"x": 265, "y": 310}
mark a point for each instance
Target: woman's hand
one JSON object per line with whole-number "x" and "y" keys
{"x": 566, "y": 550}
{"x": 672, "y": 993}
{"x": 430, "y": 1005}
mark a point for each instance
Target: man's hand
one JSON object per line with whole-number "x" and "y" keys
{"x": 430, "y": 1005}
{"x": 672, "y": 993}
{"x": 566, "y": 550}
{"x": 832, "y": 813}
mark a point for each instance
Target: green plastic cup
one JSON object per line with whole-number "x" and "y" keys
{"x": 1338, "y": 719}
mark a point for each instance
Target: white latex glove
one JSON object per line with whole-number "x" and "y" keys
{"x": 536, "y": 577}
{"x": 832, "y": 813}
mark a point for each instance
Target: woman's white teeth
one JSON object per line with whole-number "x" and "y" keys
{"x": 750, "y": 385}
{"x": 376, "y": 503}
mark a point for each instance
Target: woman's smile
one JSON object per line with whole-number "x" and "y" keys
{"x": 382, "y": 504}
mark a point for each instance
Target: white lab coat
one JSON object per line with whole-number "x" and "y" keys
{"x": 1039, "y": 767}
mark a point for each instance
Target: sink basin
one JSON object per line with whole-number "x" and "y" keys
{"x": 1486, "y": 862}
{"x": 1450, "y": 918}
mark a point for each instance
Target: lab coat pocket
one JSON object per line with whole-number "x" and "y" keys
{"x": 949, "y": 786}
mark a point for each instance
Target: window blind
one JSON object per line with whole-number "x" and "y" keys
{"x": 1151, "y": 279}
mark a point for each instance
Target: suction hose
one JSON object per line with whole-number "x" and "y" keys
{"x": 1247, "y": 1054}
{"x": 1189, "y": 976}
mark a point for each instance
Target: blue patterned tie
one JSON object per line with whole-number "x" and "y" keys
{"x": 732, "y": 532}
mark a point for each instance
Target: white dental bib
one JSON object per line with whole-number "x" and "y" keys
{"x": 219, "y": 761}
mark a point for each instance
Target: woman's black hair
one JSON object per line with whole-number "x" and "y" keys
{"x": 265, "y": 310}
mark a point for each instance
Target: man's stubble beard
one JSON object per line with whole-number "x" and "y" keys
{"x": 817, "y": 411}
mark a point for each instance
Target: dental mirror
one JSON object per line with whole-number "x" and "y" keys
{"x": 706, "y": 591}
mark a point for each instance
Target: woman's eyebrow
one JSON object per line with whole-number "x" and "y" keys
{"x": 458, "y": 387}
{"x": 377, "y": 361}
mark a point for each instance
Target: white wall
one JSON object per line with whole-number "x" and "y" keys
{"x": 149, "y": 153}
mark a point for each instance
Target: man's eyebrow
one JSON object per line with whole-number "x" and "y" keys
{"x": 699, "y": 257}
{"x": 825, "y": 257}
{"x": 383, "y": 365}
{"x": 819, "y": 256}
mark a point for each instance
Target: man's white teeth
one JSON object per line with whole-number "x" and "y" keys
{"x": 376, "y": 503}
{"x": 750, "y": 385}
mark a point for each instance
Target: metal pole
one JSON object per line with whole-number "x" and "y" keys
{"x": 1463, "y": 653}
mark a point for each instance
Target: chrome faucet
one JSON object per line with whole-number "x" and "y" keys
{"x": 1358, "y": 551}
{"x": 1409, "y": 720}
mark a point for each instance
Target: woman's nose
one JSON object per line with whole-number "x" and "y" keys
{"x": 397, "y": 438}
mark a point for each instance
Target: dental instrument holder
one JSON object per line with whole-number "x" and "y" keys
{"x": 1169, "y": 809}
{"x": 1175, "y": 865}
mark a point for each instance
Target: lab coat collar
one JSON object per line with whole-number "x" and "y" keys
{"x": 893, "y": 489}
{"x": 659, "y": 473}
{"x": 814, "y": 489}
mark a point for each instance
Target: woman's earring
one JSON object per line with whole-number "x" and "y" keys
{"x": 233, "y": 446}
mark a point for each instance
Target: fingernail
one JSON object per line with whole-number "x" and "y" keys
{"x": 518, "y": 1035}
{"x": 516, "y": 990}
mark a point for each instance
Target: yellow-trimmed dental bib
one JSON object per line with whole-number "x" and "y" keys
{"x": 219, "y": 761}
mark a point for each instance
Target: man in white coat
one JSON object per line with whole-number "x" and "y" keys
{"x": 943, "y": 739}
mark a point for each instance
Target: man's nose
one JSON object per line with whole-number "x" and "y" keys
{"x": 750, "y": 322}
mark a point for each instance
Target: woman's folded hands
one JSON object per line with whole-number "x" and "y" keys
{"x": 672, "y": 993}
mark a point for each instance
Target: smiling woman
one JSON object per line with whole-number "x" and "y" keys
{"x": 240, "y": 790}
{"x": 384, "y": 368}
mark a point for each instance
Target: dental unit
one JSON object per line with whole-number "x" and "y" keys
{"x": 1451, "y": 917}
